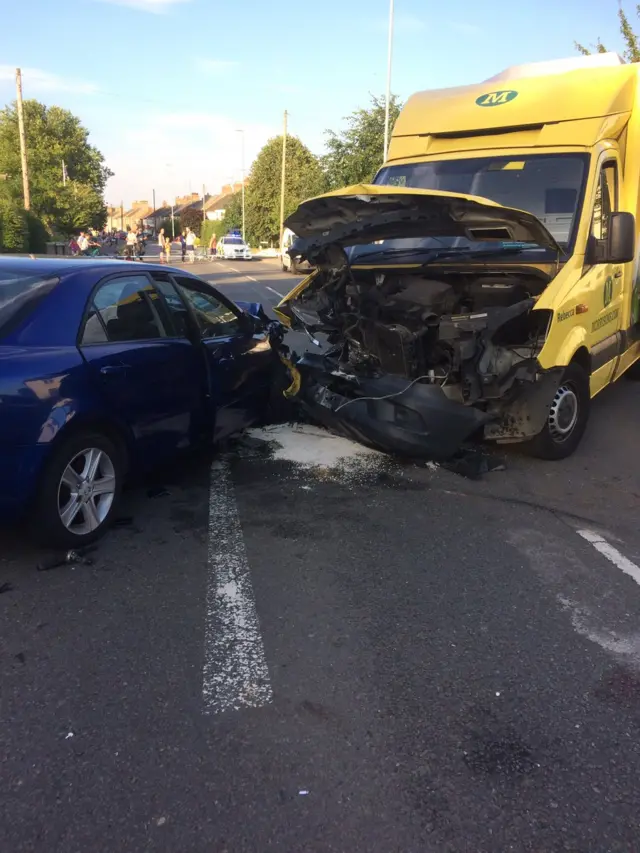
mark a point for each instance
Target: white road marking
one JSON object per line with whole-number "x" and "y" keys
{"x": 277, "y": 292}
{"x": 612, "y": 554}
{"x": 235, "y": 667}
{"x": 233, "y": 269}
{"x": 251, "y": 278}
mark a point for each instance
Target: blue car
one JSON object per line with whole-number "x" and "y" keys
{"x": 106, "y": 367}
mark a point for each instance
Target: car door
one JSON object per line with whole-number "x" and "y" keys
{"x": 239, "y": 355}
{"x": 602, "y": 283}
{"x": 149, "y": 375}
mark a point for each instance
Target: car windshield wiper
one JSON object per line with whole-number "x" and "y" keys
{"x": 436, "y": 254}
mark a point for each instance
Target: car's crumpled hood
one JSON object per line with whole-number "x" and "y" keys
{"x": 364, "y": 213}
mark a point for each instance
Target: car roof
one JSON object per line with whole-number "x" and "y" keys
{"x": 64, "y": 266}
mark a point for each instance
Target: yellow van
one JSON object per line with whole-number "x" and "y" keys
{"x": 486, "y": 283}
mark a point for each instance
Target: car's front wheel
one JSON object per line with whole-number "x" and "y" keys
{"x": 567, "y": 417}
{"x": 79, "y": 492}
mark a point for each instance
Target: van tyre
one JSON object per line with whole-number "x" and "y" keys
{"x": 633, "y": 372}
{"x": 79, "y": 492}
{"x": 567, "y": 417}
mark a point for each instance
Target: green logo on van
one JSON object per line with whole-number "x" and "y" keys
{"x": 496, "y": 99}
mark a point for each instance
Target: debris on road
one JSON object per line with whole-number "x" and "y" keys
{"x": 65, "y": 559}
{"x": 317, "y": 451}
{"x": 157, "y": 492}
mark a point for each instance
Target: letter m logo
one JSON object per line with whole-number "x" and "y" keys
{"x": 496, "y": 99}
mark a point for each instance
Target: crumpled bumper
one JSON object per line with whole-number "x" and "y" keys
{"x": 418, "y": 421}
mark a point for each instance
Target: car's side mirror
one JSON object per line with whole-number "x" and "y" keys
{"x": 619, "y": 246}
{"x": 248, "y": 323}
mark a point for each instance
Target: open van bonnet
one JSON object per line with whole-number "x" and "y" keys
{"x": 364, "y": 213}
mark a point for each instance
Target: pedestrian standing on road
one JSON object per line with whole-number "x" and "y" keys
{"x": 167, "y": 248}
{"x": 130, "y": 247}
{"x": 190, "y": 241}
{"x": 73, "y": 246}
{"x": 213, "y": 243}
{"x": 183, "y": 244}
{"x": 83, "y": 243}
{"x": 161, "y": 241}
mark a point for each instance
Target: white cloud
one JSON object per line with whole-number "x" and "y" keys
{"x": 158, "y": 7}
{"x": 175, "y": 153}
{"x": 36, "y": 80}
{"x": 216, "y": 66}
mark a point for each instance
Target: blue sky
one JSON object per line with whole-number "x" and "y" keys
{"x": 163, "y": 85}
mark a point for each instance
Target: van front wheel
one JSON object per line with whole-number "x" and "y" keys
{"x": 567, "y": 417}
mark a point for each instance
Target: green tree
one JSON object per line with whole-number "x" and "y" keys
{"x": 355, "y": 154}
{"x": 630, "y": 40}
{"x": 232, "y": 218}
{"x": 304, "y": 179}
{"x": 54, "y": 135}
{"x": 192, "y": 218}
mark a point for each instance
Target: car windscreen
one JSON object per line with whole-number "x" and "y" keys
{"x": 551, "y": 186}
{"x": 19, "y": 295}
{"x": 233, "y": 241}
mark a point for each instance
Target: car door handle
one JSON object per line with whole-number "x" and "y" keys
{"x": 113, "y": 369}
{"x": 618, "y": 274}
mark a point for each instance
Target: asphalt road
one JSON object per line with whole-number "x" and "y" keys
{"x": 372, "y": 656}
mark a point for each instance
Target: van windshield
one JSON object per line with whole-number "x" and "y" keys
{"x": 550, "y": 186}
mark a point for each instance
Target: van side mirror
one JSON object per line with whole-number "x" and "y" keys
{"x": 621, "y": 239}
{"x": 619, "y": 247}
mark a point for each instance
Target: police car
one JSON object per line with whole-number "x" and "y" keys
{"x": 232, "y": 247}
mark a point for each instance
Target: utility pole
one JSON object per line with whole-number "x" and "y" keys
{"x": 64, "y": 174}
{"x": 204, "y": 213}
{"x": 388, "y": 98}
{"x": 121, "y": 215}
{"x": 23, "y": 142}
{"x": 241, "y": 132}
{"x": 155, "y": 223}
{"x": 284, "y": 166}
{"x": 173, "y": 224}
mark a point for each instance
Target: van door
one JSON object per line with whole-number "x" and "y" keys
{"x": 603, "y": 284}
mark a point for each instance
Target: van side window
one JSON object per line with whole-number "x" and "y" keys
{"x": 606, "y": 201}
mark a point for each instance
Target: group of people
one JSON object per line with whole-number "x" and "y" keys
{"x": 188, "y": 240}
{"x": 90, "y": 242}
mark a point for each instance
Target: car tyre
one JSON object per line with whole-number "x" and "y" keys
{"x": 85, "y": 474}
{"x": 567, "y": 418}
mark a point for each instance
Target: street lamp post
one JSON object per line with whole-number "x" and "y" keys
{"x": 241, "y": 132}
{"x": 388, "y": 98}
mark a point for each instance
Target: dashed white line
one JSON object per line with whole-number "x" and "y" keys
{"x": 235, "y": 667}
{"x": 251, "y": 278}
{"x": 612, "y": 554}
{"x": 277, "y": 292}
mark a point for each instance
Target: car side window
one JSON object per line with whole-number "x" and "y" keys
{"x": 606, "y": 200}
{"x": 214, "y": 318}
{"x": 122, "y": 309}
{"x": 175, "y": 305}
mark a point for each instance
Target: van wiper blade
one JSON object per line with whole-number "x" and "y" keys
{"x": 437, "y": 254}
